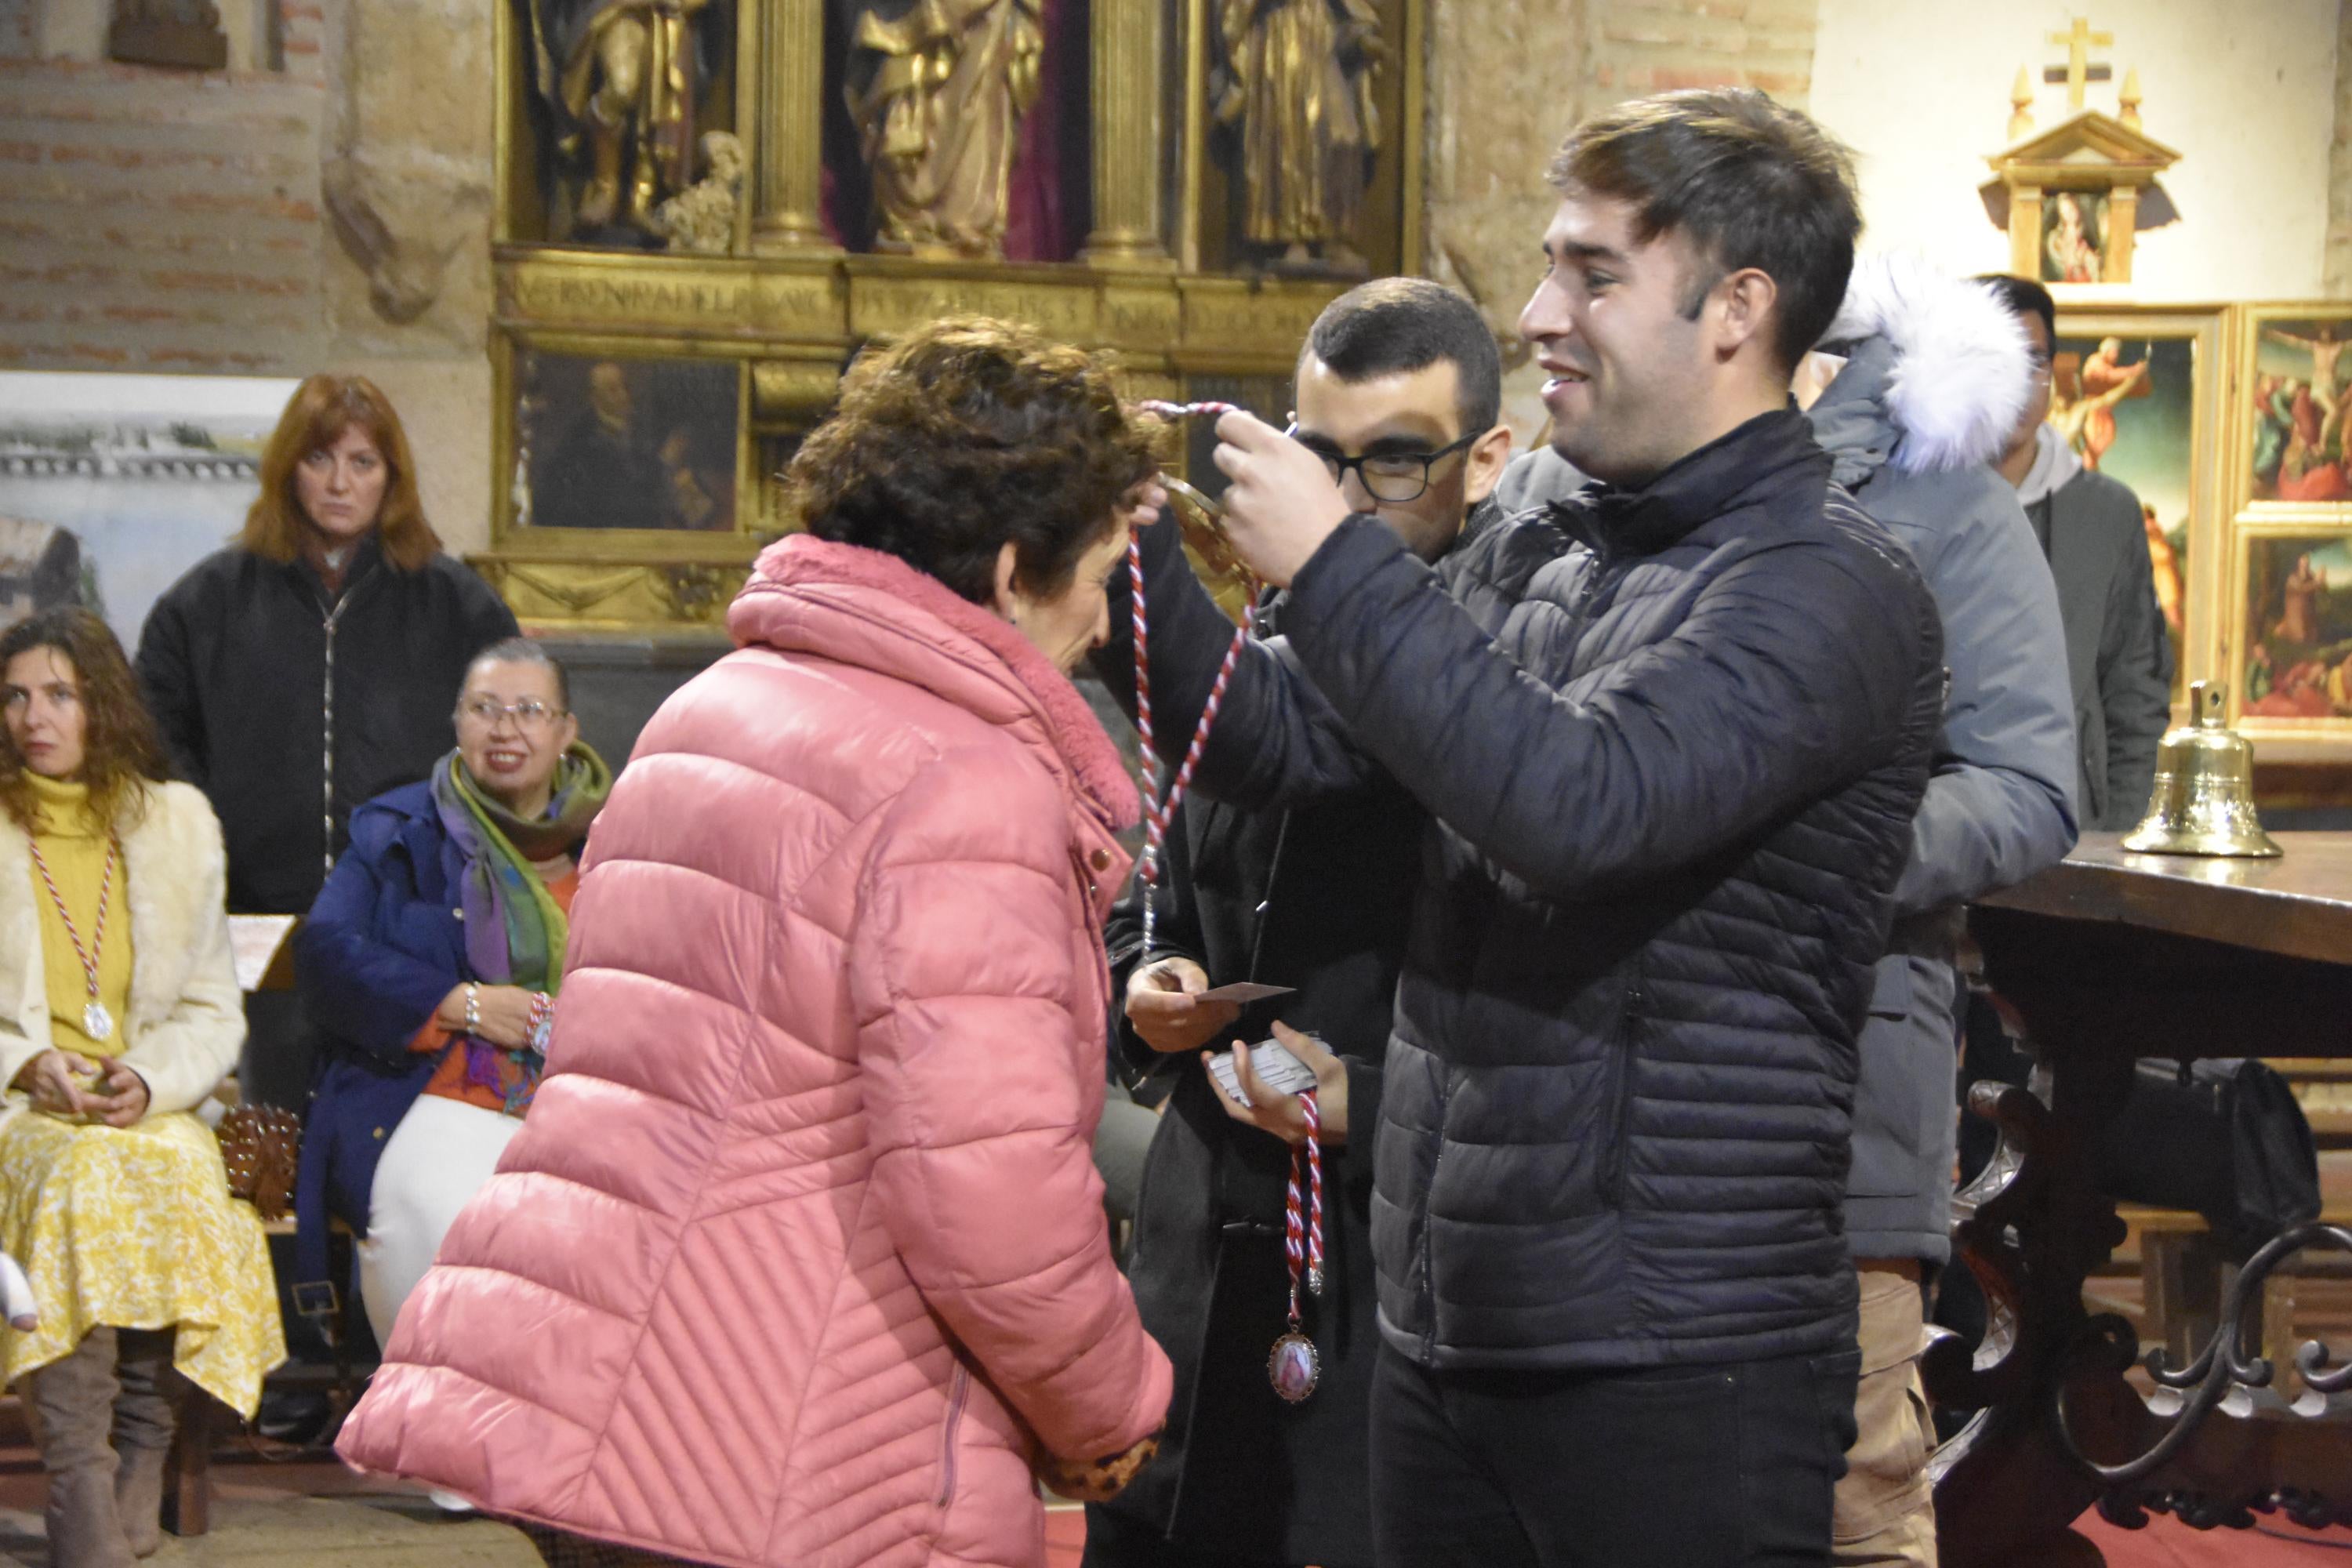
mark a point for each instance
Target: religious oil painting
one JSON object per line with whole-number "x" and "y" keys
{"x": 2073, "y": 235}
{"x": 2128, "y": 406}
{"x": 614, "y": 443}
{"x": 2298, "y": 389}
{"x": 112, "y": 486}
{"x": 2297, "y": 639}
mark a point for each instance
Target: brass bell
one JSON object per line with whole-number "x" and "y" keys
{"x": 2203, "y": 802}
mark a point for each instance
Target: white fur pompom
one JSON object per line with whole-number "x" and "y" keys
{"x": 1962, "y": 369}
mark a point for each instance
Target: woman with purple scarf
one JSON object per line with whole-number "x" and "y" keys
{"x": 432, "y": 961}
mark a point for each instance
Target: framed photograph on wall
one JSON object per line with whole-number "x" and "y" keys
{"x": 2137, "y": 392}
{"x": 112, "y": 486}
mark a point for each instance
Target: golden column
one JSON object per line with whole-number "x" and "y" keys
{"x": 788, "y": 155}
{"x": 1129, "y": 90}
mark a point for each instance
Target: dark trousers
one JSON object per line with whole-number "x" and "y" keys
{"x": 1114, "y": 1541}
{"x": 1687, "y": 1467}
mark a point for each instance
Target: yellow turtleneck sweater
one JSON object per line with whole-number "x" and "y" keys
{"x": 74, "y": 844}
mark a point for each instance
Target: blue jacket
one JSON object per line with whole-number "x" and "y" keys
{"x": 383, "y": 945}
{"x": 1674, "y": 740}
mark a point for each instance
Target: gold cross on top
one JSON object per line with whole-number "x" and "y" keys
{"x": 2079, "y": 40}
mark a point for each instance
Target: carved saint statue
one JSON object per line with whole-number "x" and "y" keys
{"x": 622, "y": 76}
{"x": 938, "y": 89}
{"x": 1297, "y": 78}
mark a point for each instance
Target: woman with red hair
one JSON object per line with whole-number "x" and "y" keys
{"x": 312, "y": 665}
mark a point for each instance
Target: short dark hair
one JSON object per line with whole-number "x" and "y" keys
{"x": 527, "y": 650}
{"x": 966, "y": 433}
{"x": 1749, "y": 184}
{"x": 1393, "y": 326}
{"x": 2022, "y": 297}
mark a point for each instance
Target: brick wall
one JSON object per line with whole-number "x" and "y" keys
{"x": 158, "y": 220}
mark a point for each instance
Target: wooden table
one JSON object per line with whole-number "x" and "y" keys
{"x": 2107, "y": 958}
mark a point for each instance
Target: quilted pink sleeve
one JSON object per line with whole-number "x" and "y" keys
{"x": 964, "y": 973}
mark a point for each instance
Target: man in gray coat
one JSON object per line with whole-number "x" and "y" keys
{"x": 1933, "y": 378}
{"x": 2095, "y": 533}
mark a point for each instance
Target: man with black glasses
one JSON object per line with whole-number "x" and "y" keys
{"x": 1398, "y": 389}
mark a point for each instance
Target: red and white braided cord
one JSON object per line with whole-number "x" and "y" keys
{"x": 1158, "y": 812}
{"x": 1302, "y": 1232}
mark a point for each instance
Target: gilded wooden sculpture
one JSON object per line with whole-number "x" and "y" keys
{"x": 620, "y": 79}
{"x": 938, "y": 89}
{"x": 1296, "y": 82}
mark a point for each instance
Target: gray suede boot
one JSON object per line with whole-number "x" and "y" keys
{"x": 75, "y": 1401}
{"x": 146, "y": 1413}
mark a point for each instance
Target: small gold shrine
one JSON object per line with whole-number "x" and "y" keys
{"x": 2072, "y": 198}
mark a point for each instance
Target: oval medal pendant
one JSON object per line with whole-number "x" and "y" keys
{"x": 97, "y": 1022}
{"x": 1294, "y": 1367}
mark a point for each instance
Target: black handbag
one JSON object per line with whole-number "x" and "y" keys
{"x": 2224, "y": 1138}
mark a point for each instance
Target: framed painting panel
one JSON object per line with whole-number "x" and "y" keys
{"x": 2294, "y": 392}
{"x": 2137, "y": 392}
{"x": 621, "y": 449}
{"x": 112, "y": 486}
{"x": 2290, "y": 640}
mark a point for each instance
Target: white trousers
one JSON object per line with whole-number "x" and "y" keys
{"x": 440, "y": 1157}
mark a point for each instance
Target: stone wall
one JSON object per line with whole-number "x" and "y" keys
{"x": 1507, "y": 81}
{"x": 2338, "y": 267}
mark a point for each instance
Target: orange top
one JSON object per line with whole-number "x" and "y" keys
{"x": 449, "y": 1081}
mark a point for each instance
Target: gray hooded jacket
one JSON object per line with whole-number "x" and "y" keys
{"x": 1935, "y": 378}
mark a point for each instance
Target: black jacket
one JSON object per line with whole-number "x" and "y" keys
{"x": 1318, "y": 897}
{"x": 235, "y": 658}
{"x": 1672, "y": 739}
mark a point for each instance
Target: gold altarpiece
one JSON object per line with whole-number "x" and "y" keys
{"x": 645, "y": 397}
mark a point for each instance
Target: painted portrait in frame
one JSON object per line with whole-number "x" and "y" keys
{"x": 608, "y": 442}
{"x": 2135, "y": 391}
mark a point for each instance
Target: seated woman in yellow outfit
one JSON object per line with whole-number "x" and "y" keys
{"x": 119, "y": 1012}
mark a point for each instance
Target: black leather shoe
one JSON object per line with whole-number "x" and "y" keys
{"x": 296, "y": 1417}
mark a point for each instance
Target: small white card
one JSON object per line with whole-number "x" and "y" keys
{"x": 1275, "y": 1068}
{"x": 1243, "y": 991}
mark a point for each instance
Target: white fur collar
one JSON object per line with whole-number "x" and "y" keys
{"x": 1961, "y": 368}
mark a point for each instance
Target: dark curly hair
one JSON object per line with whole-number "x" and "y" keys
{"x": 962, "y": 435}
{"x": 121, "y": 753}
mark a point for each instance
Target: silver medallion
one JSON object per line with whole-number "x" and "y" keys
{"x": 97, "y": 1022}
{"x": 1294, "y": 1367}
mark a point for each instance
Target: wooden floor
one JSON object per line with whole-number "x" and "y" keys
{"x": 281, "y": 1510}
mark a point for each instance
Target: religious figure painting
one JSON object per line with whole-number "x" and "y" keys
{"x": 2299, "y": 389}
{"x": 622, "y": 83}
{"x": 611, "y": 443}
{"x": 112, "y": 486}
{"x": 1297, "y": 85}
{"x": 2073, "y": 235}
{"x": 2298, "y": 629}
{"x": 2128, "y": 406}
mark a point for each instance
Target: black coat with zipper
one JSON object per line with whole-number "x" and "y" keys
{"x": 1672, "y": 740}
{"x": 251, "y": 666}
{"x": 1319, "y": 899}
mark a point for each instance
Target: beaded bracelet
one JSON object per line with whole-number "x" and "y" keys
{"x": 542, "y": 1021}
{"x": 473, "y": 1008}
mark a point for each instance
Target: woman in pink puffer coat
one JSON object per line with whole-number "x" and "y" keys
{"x": 800, "y": 1256}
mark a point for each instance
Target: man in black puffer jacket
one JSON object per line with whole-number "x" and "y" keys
{"x": 1672, "y": 734}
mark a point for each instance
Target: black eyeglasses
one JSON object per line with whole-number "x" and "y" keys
{"x": 1391, "y": 477}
